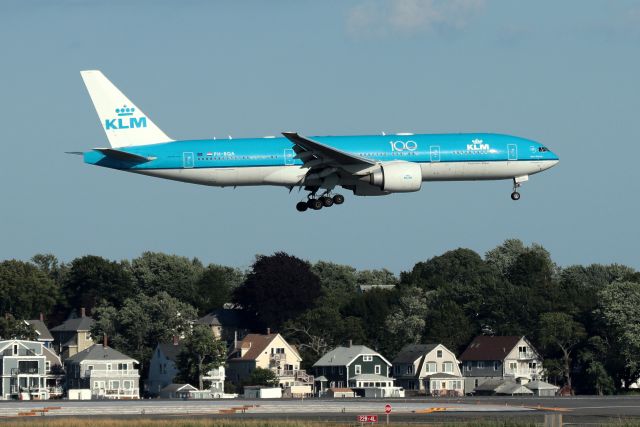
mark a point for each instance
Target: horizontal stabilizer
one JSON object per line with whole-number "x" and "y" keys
{"x": 123, "y": 155}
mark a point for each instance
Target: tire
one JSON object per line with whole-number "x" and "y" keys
{"x": 326, "y": 201}
{"x": 338, "y": 199}
{"x": 314, "y": 204}
{"x": 301, "y": 206}
{"x": 515, "y": 196}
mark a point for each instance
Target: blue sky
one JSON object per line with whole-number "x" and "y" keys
{"x": 563, "y": 73}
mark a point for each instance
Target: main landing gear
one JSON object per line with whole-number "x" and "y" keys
{"x": 318, "y": 203}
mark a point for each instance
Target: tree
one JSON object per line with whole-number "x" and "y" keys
{"x": 142, "y": 322}
{"x": 215, "y": 287}
{"x": 25, "y": 290}
{"x": 447, "y": 324}
{"x": 619, "y": 311}
{"x": 156, "y": 272}
{"x": 407, "y": 322}
{"x": 92, "y": 279}
{"x": 278, "y": 288}
{"x": 265, "y": 377}
{"x": 338, "y": 282}
{"x": 201, "y": 353}
{"x": 376, "y": 278}
{"x": 10, "y": 328}
{"x": 561, "y": 331}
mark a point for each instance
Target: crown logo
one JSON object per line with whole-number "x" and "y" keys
{"x": 125, "y": 111}
{"x": 476, "y": 141}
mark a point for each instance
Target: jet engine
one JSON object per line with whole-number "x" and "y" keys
{"x": 397, "y": 177}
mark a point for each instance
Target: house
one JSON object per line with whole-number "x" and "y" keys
{"x": 500, "y": 357}
{"x": 73, "y": 336}
{"x": 23, "y": 367}
{"x": 108, "y": 373}
{"x": 541, "y": 388}
{"x": 162, "y": 366}
{"x": 270, "y": 351}
{"x": 177, "y": 391}
{"x": 216, "y": 378}
{"x": 359, "y": 368}
{"x": 225, "y": 323}
{"x": 54, "y": 373}
{"x": 428, "y": 368}
{"x": 262, "y": 392}
{"x": 42, "y": 332}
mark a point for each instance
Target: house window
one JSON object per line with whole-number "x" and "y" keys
{"x": 340, "y": 370}
{"x": 468, "y": 365}
{"x": 108, "y": 366}
{"x": 122, "y": 367}
{"x": 513, "y": 367}
{"x": 447, "y": 367}
{"x": 115, "y": 384}
{"x": 47, "y": 365}
{"x": 377, "y": 369}
{"x": 367, "y": 358}
{"x": 410, "y": 369}
{"x": 431, "y": 367}
{"x": 439, "y": 353}
{"x": 495, "y": 365}
{"x": 480, "y": 364}
{"x": 15, "y": 349}
{"x": 90, "y": 368}
{"x": 357, "y": 369}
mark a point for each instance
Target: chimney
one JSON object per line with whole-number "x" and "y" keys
{"x": 104, "y": 340}
{"x": 83, "y": 312}
{"x": 350, "y": 343}
{"x": 175, "y": 340}
{"x": 42, "y": 317}
{"x": 268, "y": 331}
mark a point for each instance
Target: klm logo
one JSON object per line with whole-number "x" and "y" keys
{"x": 477, "y": 145}
{"x": 125, "y": 120}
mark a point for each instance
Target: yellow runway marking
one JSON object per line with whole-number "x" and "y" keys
{"x": 430, "y": 410}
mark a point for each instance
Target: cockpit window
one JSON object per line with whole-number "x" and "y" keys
{"x": 543, "y": 149}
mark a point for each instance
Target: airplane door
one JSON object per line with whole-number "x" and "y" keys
{"x": 187, "y": 160}
{"x": 434, "y": 150}
{"x": 288, "y": 156}
{"x": 512, "y": 152}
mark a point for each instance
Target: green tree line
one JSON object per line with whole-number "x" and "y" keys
{"x": 585, "y": 320}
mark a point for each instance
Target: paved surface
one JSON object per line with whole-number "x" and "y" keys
{"x": 579, "y": 410}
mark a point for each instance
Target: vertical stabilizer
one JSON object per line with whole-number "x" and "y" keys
{"x": 123, "y": 122}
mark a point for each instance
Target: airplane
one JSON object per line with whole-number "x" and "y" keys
{"x": 369, "y": 165}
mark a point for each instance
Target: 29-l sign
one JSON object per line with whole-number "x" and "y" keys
{"x": 367, "y": 418}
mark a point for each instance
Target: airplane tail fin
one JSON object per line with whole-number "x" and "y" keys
{"x": 123, "y": 122}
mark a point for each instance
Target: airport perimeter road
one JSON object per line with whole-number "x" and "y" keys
{"x": 575, "y": 409}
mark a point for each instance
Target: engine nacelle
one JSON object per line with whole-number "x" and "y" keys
{"x": 397, "y": 177}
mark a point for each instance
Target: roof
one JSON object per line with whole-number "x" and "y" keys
{"x": 499, "y": 386}
{"x": 484, "y": 347}
{"x": 371, "y": 377}
{"x": 75, "y": 324}
{"x": 256, "y": 344}
{"x": 171, "y": 350}
{"x": 222, "y": 317}
{"x": 442, "y": 375}
{"x": 41, "y": 330}
{"x": 343, "y": 356}
{"x": 178, "y": 387}
{"x": 540, "y": 385}
{"x": 410, "y": 353}
{"x": 321, "y": 378}
{"x": 99, "y": 352}
{"x": 51, "y": 356}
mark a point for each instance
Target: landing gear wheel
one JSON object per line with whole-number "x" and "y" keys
{"x": 338, "y": 199}
{"x": 515, "y": 196}
{"x": 327, "y": 202}
{"x": 314, "y": 204}
{"x": 301, "y": 206}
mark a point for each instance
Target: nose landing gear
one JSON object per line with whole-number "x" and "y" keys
{"x": 517, "y": 181}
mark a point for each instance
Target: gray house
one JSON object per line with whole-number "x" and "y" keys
{"x": 24, "y": 370}
{"x": 73, "y": 336}
{"x": 42, "y": 332}
{"x": 356, "y": 366}
{"x": 510, "y": 358}
{"x": 108, "y": 373}
{"x": 162, "y": 367}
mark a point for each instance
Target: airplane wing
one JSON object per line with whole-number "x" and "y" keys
{"x": 316, "y": 155}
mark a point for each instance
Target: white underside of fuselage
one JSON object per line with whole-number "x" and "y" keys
{"x": 288, "y": 176}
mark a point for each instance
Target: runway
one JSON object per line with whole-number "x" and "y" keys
{"x": 574, "y": 409}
